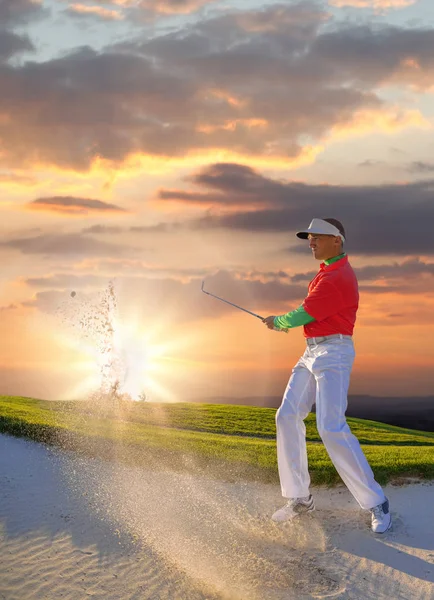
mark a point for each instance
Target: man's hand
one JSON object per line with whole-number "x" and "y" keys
{"x": 269, "y": 321}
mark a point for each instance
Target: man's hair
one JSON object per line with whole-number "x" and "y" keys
{"x": 338, "y": 226}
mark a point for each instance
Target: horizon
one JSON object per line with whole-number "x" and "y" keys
{"x": 205, "y": 398}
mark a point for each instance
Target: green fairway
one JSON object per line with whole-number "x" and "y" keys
{"x": 223, "y": 440}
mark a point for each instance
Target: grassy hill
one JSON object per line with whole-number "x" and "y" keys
{"x": 223, "y": 440}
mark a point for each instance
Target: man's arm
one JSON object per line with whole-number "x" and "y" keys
{"x": 295, "y": 318}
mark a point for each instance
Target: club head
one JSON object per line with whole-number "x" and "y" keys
{"x": 203, "y": 283}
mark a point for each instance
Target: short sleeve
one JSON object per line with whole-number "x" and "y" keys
{"x": 324, "y": 301}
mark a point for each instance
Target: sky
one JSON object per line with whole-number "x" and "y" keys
{"x": 157, "y": 144}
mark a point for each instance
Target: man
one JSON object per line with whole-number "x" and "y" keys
{"x": 322, "y": 375}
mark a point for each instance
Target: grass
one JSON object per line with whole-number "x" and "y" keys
{"x": 226, "y": 441}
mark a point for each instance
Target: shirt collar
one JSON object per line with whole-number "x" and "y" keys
{"x": 335, "y": 262}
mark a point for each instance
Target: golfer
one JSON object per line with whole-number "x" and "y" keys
{"x": 322, "y": 375}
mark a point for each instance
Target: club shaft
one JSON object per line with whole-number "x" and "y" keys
{"x": 235, "y": 305}
{"x": 240, "y": 308}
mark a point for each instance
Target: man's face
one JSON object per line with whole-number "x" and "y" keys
{"x": 324, "y": 246}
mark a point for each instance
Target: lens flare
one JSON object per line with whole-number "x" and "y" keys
{"x": 120, "y": 354}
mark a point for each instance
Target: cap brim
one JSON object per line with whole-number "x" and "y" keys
{"x": 303, "y": 235}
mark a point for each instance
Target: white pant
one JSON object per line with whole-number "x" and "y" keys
{"x": 322, "y": 375}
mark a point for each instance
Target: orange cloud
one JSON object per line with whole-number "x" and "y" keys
{"x": 167, "y": 7}
{"x": 186, "y": 107}
{"x": 164, "y": 7}
{"x": 17, "y": 179}
{"x": 376, "y": 4}
{"x": 98, "y": 11}
{"x": 279, "y": 17}
{"x": 232, "y": 125}
{"x": 411, "y": 63}
{"x": 385, "y": 120}
{"x": 73, "y": 206}
{"x": 226, "y": 95}
{"x": 137, "y": 163}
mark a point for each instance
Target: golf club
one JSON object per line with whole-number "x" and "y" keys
{"x": 239, "y": 307}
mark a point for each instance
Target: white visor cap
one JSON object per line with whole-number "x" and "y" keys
{"x": 320, "y": 226}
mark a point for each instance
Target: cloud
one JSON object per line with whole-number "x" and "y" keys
{"x": 170, "y": 7}
{"x": 70, "y": 244}
{"x": 271, "y": 85}
{"x": 60, "y": 281}
{"x": 181, "y": 196}
{"x": 116, "y": 229}
{"x": 370, "y": 163}
{"x": 376, "y": 57}
{"x": 157, "y": 228}
{"x": 47, "y": 301}
{"x": 175, "y": 299}
{"x": 375, "y": 4}
{"x": 99, "y": 12}
{"x": 135, "y": 10}
{"x": 176, "y": 294}
{"x": 137, "y": 270}
{"x": 12, "y": 44}
{"x": 121, "y": 269}
{"x": 420, "y": 166}
{"x": 12, "y": 306}
{"x": 73, "y": 206}
{"x": 303, "y": 16}
{"x": 411, "y": 276}
{"x": 19, "y": 12}
{"x": 70, "y": 110}
{"x": 408, "y": 269}
{"x": 229, "y": 184}
{"x": 104, "y": 229}
{"x": 379, "y": 219}
{"x": 18, "y": 179}
{"x": 390, "y": 120}
{"x": 376, "y": 277}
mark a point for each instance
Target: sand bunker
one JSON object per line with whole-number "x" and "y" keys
{"x": 75, "y": 528}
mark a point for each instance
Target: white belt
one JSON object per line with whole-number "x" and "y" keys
{"x": 318, "y": 340}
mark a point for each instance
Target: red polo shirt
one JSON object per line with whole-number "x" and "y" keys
{"x": 333, "y": 300}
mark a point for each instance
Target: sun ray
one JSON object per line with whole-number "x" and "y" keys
{"x": 122, "y": 353}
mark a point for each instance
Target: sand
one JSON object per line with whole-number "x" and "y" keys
{"x": 74, "y": 528}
